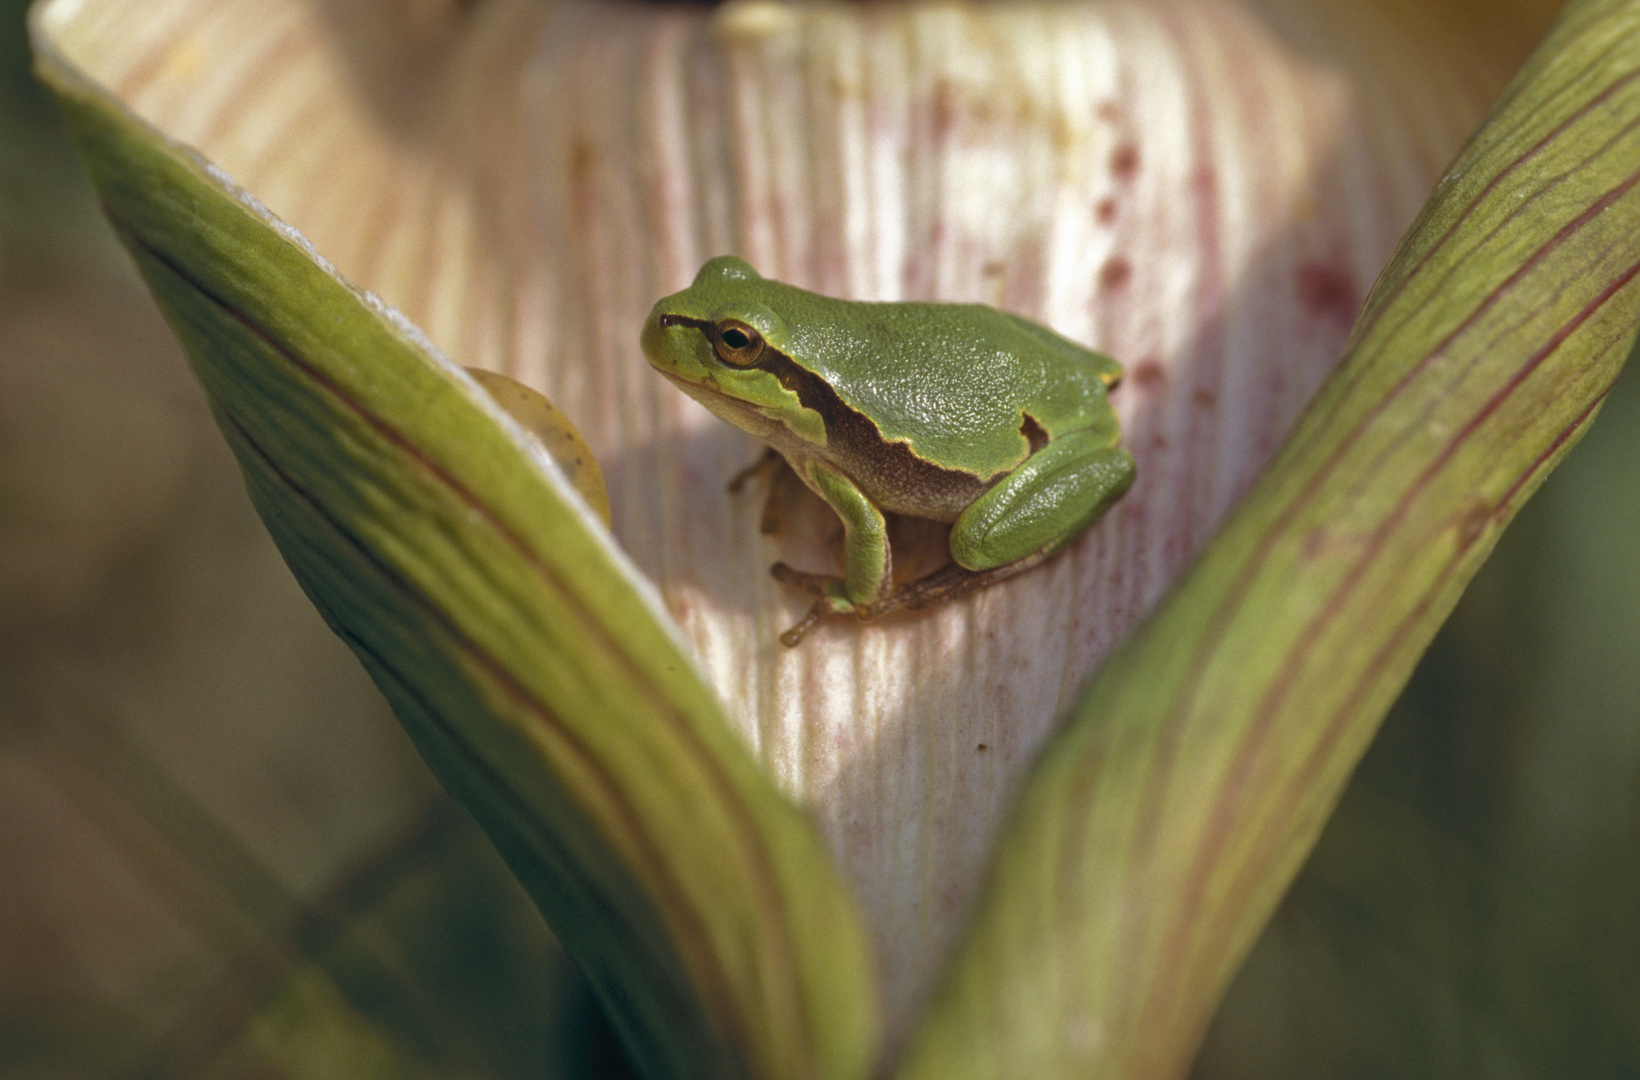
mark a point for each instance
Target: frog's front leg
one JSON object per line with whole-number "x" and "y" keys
{"x": 1044, "y": 504}
{"x": 865, "y": 551}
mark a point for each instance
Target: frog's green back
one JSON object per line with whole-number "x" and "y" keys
{"x": 955, "y": 381}
{"x": 967, "y": 387}
{"x": 1110, "y": 372}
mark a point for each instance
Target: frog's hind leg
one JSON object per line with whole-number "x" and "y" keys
{"x": 1047, "y": 502}
{"x": 953, "y": 581}
{"x": 950, "y": 582}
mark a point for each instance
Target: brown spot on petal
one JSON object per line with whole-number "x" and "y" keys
{"x": 1327, "y": 291}
{"x": 1115, "y": 273}
{"x": 1124, "y": 162}
{"x": 1149, "y": 375}
{"x": 982, "y": 748}
{"x": 1108, "y": 111}
{"x": 583, "y": 160}
{"x": 945, "y": 108}
{"x": 1204, "y": 397}
{"x": 1105, "y": 211}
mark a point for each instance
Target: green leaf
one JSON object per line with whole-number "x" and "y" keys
{"x": 1163, "y": 826}
{"x": 526, "y": 659}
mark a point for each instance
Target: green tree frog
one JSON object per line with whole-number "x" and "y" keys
{"x": 957, "y": 413}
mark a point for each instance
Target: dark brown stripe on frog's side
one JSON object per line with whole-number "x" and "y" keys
{"x": 1034, "y": 435}
{"x": 884, "y": 468}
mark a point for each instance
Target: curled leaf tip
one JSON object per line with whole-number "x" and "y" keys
{"x": 543, "y": 421}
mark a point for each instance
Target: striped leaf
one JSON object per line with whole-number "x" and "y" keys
{"x": 515, "y": 643}
{"x": 1163, "y": 826}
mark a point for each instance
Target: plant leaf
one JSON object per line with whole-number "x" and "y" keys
{"x": 1198, "y": 187}
{"x": 517, "y": 646}
{"x": 1162, "y": 827}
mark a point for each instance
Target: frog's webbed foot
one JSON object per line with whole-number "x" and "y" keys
{"x": 813, "y": 584}
{"x": 794, "y": 637}
{"x": 950, "y": 582}
{"x": 823, "y": 587}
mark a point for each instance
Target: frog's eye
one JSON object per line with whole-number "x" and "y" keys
{"x": 736, "y": 344}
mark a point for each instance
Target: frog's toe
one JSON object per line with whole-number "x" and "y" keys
{"x": 830, "y": 599}
{"x": 813, "y": 584}
{"x": 794, "y": 637}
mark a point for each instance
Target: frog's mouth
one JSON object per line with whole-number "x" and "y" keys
{"x": 731, "y": 410}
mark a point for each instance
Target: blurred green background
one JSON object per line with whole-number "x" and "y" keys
{"x": 220, "y": 857}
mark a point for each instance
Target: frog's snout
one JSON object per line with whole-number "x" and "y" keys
{"x": 652, "y": 339}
